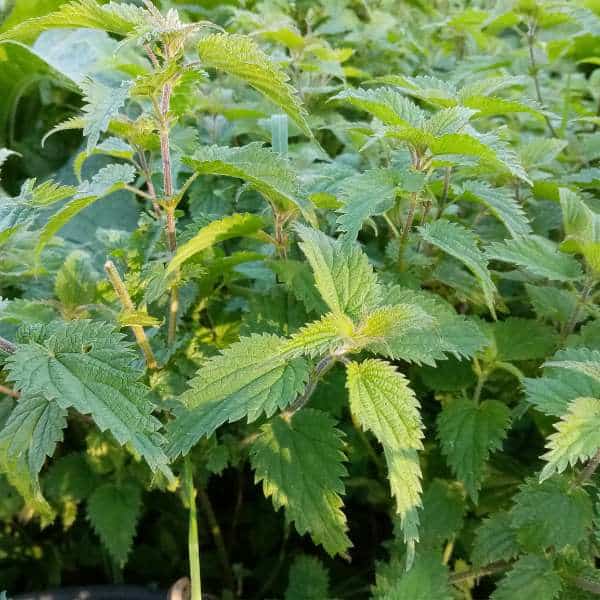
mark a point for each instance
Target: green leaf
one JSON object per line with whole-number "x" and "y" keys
{"x": 382, "y": 402}
{"x": 468, "y": 434}
{"x": 459, "y": 242}
{"x": 552, "y": 513}
{"x": 87, "y": 366}
{"x": 235, "y": 225}
{"x": 532, "y": 576}
{"x": 75, "y": 282}
{"x": 268, "y": 172}
{"x": 308, "y": 579}
{"x": 364, "y": 196}
{"x": 577, "y": 437}
{"x": 495, "y": 540}
{"x": 30, "y": 434}
{"x": 113, "y": 510}
{"x": 343, "y": 275}
{"x": 581, "y": 360}
{"x": 299, "y": 461}
{"x": 552, "y": 303}
{"x": 500, "y": 202}
{"x": 102, "y": 103}
{"x": 117, "y": 18}
{"x": 523, "y": 339}
{"x": 442, "y": 514}
{"x": 537, "y": 255}
{"x": 426, "y": 580}
{"x": 250, "y": 378}
{"x": 240, "y": 56}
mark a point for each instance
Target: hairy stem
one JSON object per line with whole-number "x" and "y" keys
{"x": 534, "y": 74}
{"x": 7, "y": 346}
{"x": 215, "y": 530}
{"x": 572, "y": 322}
{"x": 583, "y": 583}
{"x": 9, "y": 392}
{"x": 589, "y": 469}
{"x": 127, "y": 304}
{"x": 324, "y": 365}
{"x": 414, "y": 199}
{"x": 193, "y": 544}
{"x": 490, "y": 569}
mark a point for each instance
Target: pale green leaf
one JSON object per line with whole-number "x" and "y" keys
{"x": 250, "y": 378}
{"x": 228, "y": 227}
{"x": 383, "y": 403}
{"x": 75, "y": 282}
{"x": 459, "y": 242}
{"x": 299, "y": 461}
{"x": 240, "y": 56}
{"x": 581, "y": 360}
{"x": 343, "y": 275}
{"x": 468, "y": 434}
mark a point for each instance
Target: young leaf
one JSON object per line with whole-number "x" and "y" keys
{"x": 299, "y": 461}
{"x": 382, "y": 402}
{"x": 308, "y": 579}
{"x": 342, "y": 273}
{"x": 120, "y": 19}
{"x": 468, "y": 434}
{"x": 235, "y": 225}
{"x": 113, "y": 510}
{"x": 268, "y": 172}
{"x": 460, "y": 243}
{"x": 577, "y": 437}
{"x": 537, "y": 255}
{"x": 532, "y": 576}
{"x": 87, "y": 366}
{"x": 251, "y": 377}
{"x": 240, "y": 56}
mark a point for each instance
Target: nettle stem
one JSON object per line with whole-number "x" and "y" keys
{"x": 534, "y": 69}
{"x": 7, "y": 346}
{"x": 193, "y": 543}
{"x": 9, "y": 392}
{"x": 127, "y": 304}
{"x": 414, "y": 200}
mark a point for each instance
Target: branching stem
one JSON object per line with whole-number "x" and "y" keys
{"x": 127, "y": 304}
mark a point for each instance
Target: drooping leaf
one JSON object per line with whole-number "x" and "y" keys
{"x": 240, "y": 56}
{"x": 299, "y": 461}
{"x": 537, "y": 255}
{"x": 250, "y": 378}
{"x": 236, "y": 225}
{"x": 268, "y": 172}
{"x": 113, "y": 509}
{"x": 468, "y": 434}
{"x": 382, "y": 402}
{"x": 86, "y": 366}
{"x": 460, "y": 243}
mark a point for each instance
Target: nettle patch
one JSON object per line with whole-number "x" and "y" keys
{"x": 348, "y": 253}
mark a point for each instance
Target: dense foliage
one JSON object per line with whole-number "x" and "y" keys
{"x": 303, "y": 293}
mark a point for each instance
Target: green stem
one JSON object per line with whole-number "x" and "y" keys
{"x": 414, "y": 199}
{"x": 193, "y": 545}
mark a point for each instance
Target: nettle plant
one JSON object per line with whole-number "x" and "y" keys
{"x": 386, "y": 373}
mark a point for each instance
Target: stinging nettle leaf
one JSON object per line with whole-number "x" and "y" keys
{"x": 308, "y": 579}
{"x": 240, "y": 56}
{"x": 459, "y": 242}
{"x": 383, "y": 403}
{"x": 299, "y": 461}
{"x": 252, "y": 377}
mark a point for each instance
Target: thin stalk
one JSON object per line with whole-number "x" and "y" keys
{"x": 589, "y": 469}
{"x": 446, "y": 189}
{"x": 138, "y": 192}
{"x": 414, "y": 199}
{"x": 215, "y": 530}
{"x": 7, "y": 346}
{"x": 193, "y": 544}
{"x": 9, "y": 392}
{"x": 127, "y": 304}
{"x": 572, "y": 322}
{"x": 490, "y": 569}
{"x": 534, "y": 74}
{"x": 321, "y": 369}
